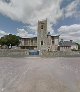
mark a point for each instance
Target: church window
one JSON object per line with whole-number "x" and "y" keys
{"x": 52, "y": 42}
{"x": 41, "y": 42}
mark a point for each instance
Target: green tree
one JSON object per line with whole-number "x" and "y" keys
{"x": 10, "y": 39}
{"x": 3, "y": 41}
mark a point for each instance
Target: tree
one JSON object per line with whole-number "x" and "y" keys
{"x": 10, "y": 39}
{"x": 3, "y": 41}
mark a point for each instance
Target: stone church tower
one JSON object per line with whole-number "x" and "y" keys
{"x": 42, "y": 35}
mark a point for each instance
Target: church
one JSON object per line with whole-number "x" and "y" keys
{"x": 43, "y": 41}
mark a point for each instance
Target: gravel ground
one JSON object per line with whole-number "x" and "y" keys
{"x": 35, "y": 74}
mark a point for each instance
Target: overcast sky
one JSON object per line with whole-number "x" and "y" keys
{"x": 20, "y": 17}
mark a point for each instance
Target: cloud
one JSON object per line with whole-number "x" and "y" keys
{"x": 71, "y": 32}
{"x": 2, "y": 33}
{"x": 30, "y": 11}
{"x": 24, "y": 33}
{"x": 71, "y": 9}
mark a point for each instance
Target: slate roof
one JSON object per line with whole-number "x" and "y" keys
{"x": 66, "y": 43}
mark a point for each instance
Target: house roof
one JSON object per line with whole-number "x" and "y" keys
{"x": 66, "y": 43}
{"x": 55, "y": 35}
{"x": 28, "y": 37}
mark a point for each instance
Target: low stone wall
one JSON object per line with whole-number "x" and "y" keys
{"x": 23, "y": 52}
{"x": 13, "y": 52}
{"x": 60, "y": 54}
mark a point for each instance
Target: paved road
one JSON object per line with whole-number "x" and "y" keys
{"x": 35, "y": 74}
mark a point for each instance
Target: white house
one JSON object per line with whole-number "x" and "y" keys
{"x": 67, "y": 45}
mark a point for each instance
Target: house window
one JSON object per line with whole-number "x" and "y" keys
{"x": 41, "y": 42}
{"x": 42, "y": 26}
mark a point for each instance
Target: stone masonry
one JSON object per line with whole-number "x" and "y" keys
{"x": 42, "y": 35}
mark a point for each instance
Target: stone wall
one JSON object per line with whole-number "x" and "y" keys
{"x": 61, "y": 54}
{"x": 13, "y": 52}
{"x": 24, "y": 53}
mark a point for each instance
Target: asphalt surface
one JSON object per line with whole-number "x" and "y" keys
{"x": 35, "y": 74}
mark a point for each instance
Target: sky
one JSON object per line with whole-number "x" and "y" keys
{"x": 20, "y": 17}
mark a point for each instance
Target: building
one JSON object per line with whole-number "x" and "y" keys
{"x": 67, "y": 45}
{"x": 43, "y": 41}
{"x": 52, "y": 42}
{"x": 29, "y": 43}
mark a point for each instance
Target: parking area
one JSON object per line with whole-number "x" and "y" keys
{"x": 36, "y": 74}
